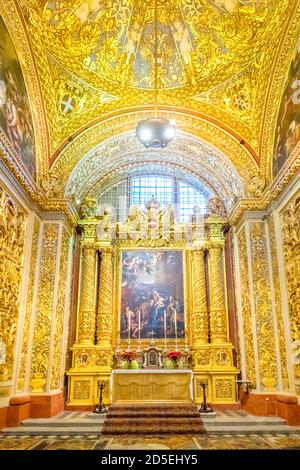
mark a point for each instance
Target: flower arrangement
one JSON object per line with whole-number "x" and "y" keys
{"x": 128, "y": 355}
{"x": 128, "y": 360}
{"x": 174, "y": 357}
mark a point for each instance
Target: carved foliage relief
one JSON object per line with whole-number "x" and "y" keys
{"x": 59, "y": 314}
{"x": 28, "y": 316}
{"x": 263, "y": 307}
{"x": 278, "y": 305}
{"x": 41, "y": 341}
{"x": 12, "y": 230}
{"x": 290, "y": 218}
{"x": 246, "y": 308}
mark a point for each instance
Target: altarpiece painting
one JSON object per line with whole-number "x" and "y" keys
{"x": 152, "y": 295}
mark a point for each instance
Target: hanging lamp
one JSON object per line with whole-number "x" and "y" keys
{"x": 156, "y": 132}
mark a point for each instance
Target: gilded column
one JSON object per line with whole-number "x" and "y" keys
{"x": 87, "y": 315}
{"x": 105, "y": 305}
{"x": 218, "y": 321}
{"x": 199, "y": 313}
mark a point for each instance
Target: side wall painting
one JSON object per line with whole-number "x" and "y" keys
{"x": 15, "y": 116}
{"x": 288, "y": 123}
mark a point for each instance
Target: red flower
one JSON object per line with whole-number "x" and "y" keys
{"x": 128, "y": 355}
{"x": 174, "y": 355}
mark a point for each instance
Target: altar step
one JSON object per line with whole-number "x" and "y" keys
{"x": 64, "y": 424}
{"x": 150, "y": 410}
{"x": 90, "y": 424}
{"x": 161, "y": 418}
{"x": 240, "y": 422}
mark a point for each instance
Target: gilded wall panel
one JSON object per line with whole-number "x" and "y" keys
{"x": 290, "y": 219}
{"x": 223, "y": 388}
{"x": 12, "y": 234}
{"x": 41, "y": 339}
{"x": 263, "y": 307}
{"x": 278, "y": 304}
{"x": 59, "y": 313}
{"x": 246, "y": 308}
{"x": 27, "y": 319}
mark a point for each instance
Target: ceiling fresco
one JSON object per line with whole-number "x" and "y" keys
{"x": 97, "y": 57}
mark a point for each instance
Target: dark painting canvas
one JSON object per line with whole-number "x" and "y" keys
{"x": 152, "y": 303}
{"x": 288, "y": 123}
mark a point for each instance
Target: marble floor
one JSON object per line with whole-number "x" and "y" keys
{"x": 202, "y": 442}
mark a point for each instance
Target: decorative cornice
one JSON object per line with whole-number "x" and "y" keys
{"x": 271, "y": 194}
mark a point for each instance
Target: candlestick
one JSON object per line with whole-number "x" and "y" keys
{"x": 175, "y": 323}
{"x": 165, "y": 324}
{"x": 139, "y": 324}
{"x": 129, "y": 327}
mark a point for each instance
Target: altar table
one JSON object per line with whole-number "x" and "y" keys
{"x": 151, "y": 385}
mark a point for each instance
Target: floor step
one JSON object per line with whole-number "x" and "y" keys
{"x": 52, "y": 431}
{"x": 239, "y": 421}
{"x": 52, "y": 422}
{"x": 258, "y": 429}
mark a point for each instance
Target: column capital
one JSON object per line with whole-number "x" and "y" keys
{"x": 106, "y": 250}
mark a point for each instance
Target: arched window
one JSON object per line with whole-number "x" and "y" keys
{"x": 139, "y": 189}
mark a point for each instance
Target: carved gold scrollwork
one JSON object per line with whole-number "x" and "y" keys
{"x": 278, "y": 304}
{"x": 59, "y": 314}
{"x": 200, "y": 313}
{"x": 246, "y": 308}
{"x": 218, "y": 328}
{"x": 290, "y": 217}
{"x": 105, "y": 306}
{"x": 263, "y": 307}
{"x": 81, "y": 389}
{"x": 12, "y": 227}
{"x": 27, "y": 320}
{"x": 41, "y": 338}
{"x": 86, "y": 333}
{"x": 223, "y": 388}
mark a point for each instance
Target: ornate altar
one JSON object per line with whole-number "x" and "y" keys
{"x": 183, "y": 309}
{"x": 152, "y": 385}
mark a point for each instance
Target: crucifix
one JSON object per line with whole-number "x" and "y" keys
{"x": 152, "y": 334}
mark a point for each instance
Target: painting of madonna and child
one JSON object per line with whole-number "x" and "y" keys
{"x": 152, "y": 295}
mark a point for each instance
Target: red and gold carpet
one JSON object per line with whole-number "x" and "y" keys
{"x": 153, "y": 418}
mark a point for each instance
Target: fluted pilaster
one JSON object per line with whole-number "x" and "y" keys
{"x": 218, "y": 322}
{"x": 200, "y": 314}
{"x": 87, "y": 315}
{"x": 105, "y": 305}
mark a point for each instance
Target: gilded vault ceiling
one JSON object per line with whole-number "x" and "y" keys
{"x": 217, "y": 61}
{"x": 97, "y": 57}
